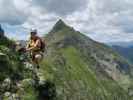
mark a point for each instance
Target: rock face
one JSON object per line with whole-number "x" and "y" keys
{"x": 1, "y": 32}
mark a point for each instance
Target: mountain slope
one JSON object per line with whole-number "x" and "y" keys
{"x": 83, "y": 69}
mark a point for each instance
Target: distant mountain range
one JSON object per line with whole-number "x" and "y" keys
{"x": 23, "y": 43}
{"x": 125, "y": 51}
{"x": 121, "y": 44}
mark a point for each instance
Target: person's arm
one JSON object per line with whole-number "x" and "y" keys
{"x": 28, "y": 44}
{"x": 36, "y": 45}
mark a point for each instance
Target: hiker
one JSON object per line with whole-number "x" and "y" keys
{"x": 36, "y": 48}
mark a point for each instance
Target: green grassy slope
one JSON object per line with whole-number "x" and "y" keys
{"x": 75, "y": 80}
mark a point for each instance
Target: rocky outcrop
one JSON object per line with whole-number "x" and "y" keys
{"x": 1, "y": 32}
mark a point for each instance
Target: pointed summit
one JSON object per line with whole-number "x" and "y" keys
{"x": 60, "y": 22}
{"x": 59, "y": 26}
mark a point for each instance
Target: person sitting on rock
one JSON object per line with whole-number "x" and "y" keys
{"x": 36, "y": 47}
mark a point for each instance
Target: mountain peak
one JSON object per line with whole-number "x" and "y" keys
{"x": 60, "y": 24}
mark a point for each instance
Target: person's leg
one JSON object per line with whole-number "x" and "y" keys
{"x": 38, "y": 58}
{"x": 34, "y": 60}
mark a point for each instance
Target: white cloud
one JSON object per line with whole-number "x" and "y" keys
{"x": 10, "y": 14}
{"x": 104, "y": 20}
{"x": 61, "y": 7}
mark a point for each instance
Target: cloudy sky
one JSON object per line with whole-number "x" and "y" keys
{"x": 102, "y": 20}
